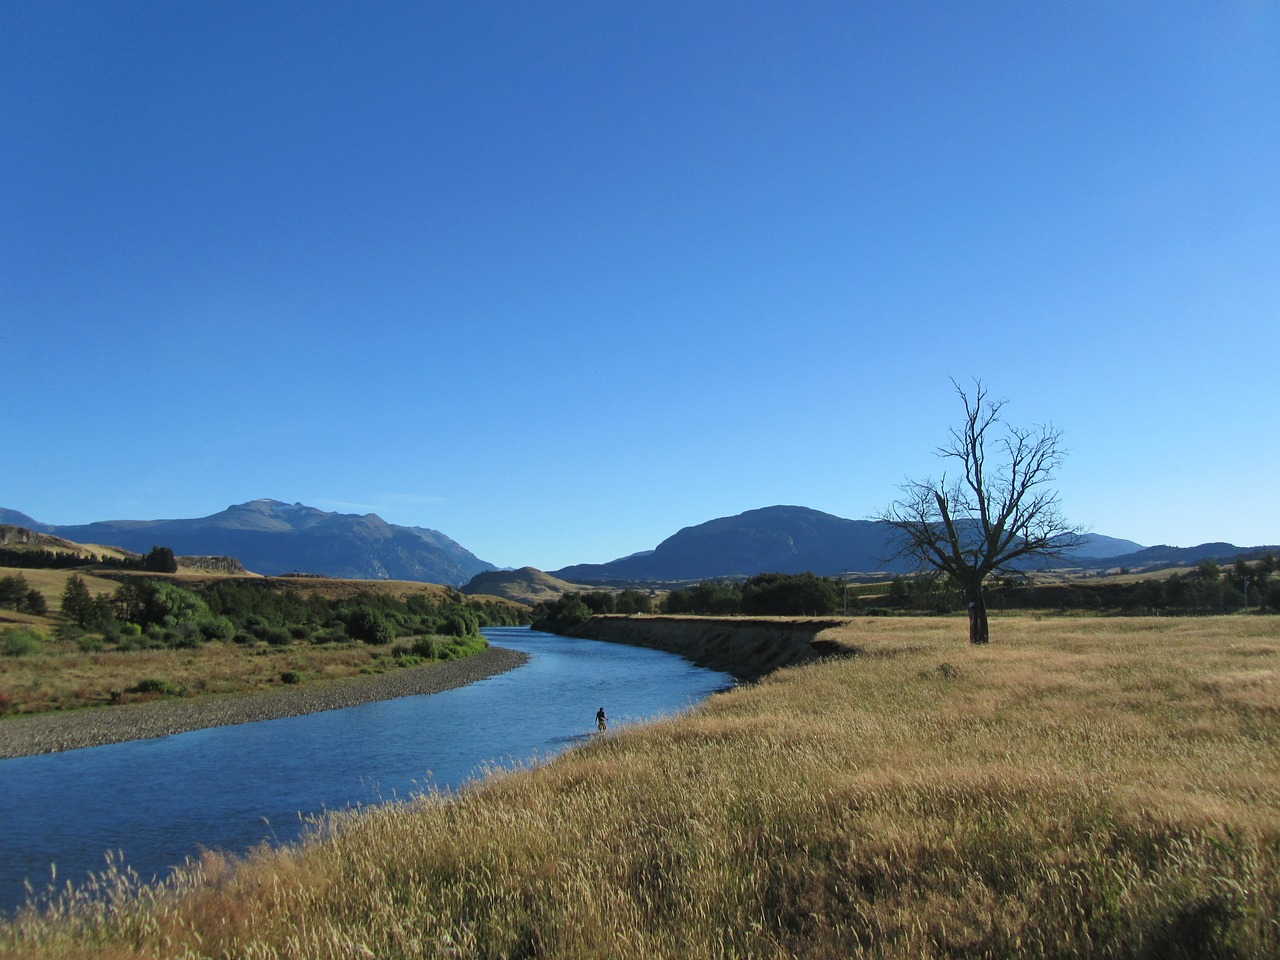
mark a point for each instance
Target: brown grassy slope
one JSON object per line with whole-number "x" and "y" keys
{"x": 23, "y": 540}
{"x": 527, "y": 585}
{"x": 51, "y": 584}
{"x": 1080, "y": 788}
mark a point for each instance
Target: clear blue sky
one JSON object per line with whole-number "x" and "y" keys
{"x": 558, "y": 279}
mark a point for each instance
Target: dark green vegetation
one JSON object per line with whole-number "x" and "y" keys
{"x": 562, "y": 613}
{"x": 766, "y": 595}
{"x": 155, "y": 560}
{"x": 17, "y": 594}
{"x": 155, "y": 612}
{"x": 114, "y": 638}
{"x": 1207, "y": 590}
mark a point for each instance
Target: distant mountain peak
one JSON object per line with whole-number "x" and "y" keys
{"x": 267, "y": 505}
{"x": 779, "y": 539}
{"x": 273, "y": 537}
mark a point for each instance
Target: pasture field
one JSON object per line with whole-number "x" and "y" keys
{"x": 60, "y": 671}
{"x": 61, "y": 676}
{"x": 1083, "y": 787}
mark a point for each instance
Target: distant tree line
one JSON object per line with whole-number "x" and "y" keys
{"x": 767, "y": 594}
{"x": 1209, "y": 589}
{"x": 147, "y": 612}
{"x": 156, "y": 560}
{"x": 570, "y": 609}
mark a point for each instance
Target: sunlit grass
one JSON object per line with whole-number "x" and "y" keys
{"x": 61, "y": 676}
{"x": 66, "y": 672}
{"x": 1095, "y": 788}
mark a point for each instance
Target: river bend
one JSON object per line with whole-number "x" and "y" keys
{"x": 229, "y": 788}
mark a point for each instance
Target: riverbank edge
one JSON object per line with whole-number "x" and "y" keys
{"x": 98, "y": 726}
{"x": 747, "y": 648}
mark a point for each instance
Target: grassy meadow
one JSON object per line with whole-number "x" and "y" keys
{"x": 1080, "y": 788}
{"x": 62, "y": 676}
{"x": 57, "y": 670}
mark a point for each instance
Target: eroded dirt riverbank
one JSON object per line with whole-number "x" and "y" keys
{"x": 745, "y": 647}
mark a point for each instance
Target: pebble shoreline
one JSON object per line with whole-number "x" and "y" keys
{"x": 94, "y": 727}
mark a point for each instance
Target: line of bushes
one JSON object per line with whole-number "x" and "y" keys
{"x": 570, "y": 609}
{"x": 160, "y": 613}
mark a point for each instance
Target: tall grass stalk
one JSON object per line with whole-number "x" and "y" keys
{"x": 1081, "y": 788}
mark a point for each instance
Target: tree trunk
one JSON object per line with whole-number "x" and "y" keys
{"x": 978, "y": 632}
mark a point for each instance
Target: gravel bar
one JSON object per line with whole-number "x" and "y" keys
{"x": 23, "y": 736}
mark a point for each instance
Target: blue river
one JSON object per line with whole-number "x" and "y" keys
{"x": 153, "y": 803}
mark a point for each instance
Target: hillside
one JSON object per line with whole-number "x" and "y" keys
{"x": 526, "y": 585}
{"x": 781, "y": 539}
{"x": 272, "y": 538}
{"x": 19, "y": 539}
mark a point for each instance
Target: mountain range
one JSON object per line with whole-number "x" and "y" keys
{"x": 783, "y": 539}
{"x": 271, "y": 537}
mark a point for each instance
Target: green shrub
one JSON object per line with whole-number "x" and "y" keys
{"x": 461, "y": 623}
{"x": 173, "y": 637}
{"x": 155, "y": 685}
{"x": 428, "y": 648}
{"x": 458, "y": 647}
{"x": 368, "y": 625}
{"x": 292, "y": 676}
{"x": 276, "y": 636}
{"x": 21, "y": 641}
{"x": 217, "y": 628}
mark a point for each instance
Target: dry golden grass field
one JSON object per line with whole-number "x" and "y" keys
{"x": 1080, "y": 788}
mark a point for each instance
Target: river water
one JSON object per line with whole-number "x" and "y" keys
{"x": 156, "y": 802}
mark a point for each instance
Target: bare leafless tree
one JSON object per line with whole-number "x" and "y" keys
{"x": 995, "y": 511}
